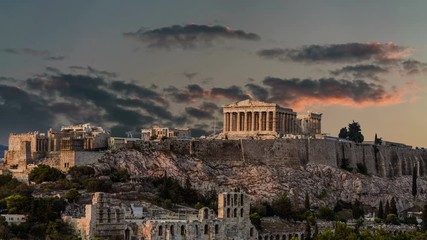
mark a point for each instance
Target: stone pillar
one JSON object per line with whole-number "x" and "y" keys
{"x": 238, "y": 126}
{"x": 259, "y": 121}
{"x": 253, "y": 121}
{"x": 267, "y": 121}
{"x": 245, "y": 121}
{"x": 224, "y": 123}
{"x": 275, "y": 121}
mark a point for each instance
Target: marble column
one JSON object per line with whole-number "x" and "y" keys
{"x": 275, "y": 118}
{"x": 252, "y": 121}
{"x": 260, "y": 121}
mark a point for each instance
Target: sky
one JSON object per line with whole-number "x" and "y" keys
{"x": 129, "y": 65}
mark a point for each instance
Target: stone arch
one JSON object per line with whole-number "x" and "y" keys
{"x": 205, "y": 213}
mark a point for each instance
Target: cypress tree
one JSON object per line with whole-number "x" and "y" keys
{"x": 381, "y": 210}
{"x": 414, "y": 181}
{"x": 424, "y": 218}
{"x": 393, "y": 207}
{"x": 387, "y": 209}
{"x": 307, "y": 202}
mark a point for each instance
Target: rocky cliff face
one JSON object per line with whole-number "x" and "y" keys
{"x": 263, "y": 181}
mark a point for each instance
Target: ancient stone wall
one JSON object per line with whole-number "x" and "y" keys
{"x": 384, "y": 161}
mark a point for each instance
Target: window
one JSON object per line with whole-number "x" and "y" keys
{"x": 241, "y": 200}
{"x": 206, "y": 229}
{"x": 216, "y": 229}
{"x": 160, "y": 231}
{"x": 171, "y": 230}
{"x": 235, "y": 212}
{"x": 182, "y": 230}
{"x": 228, "y": 212}
{"x": 251, "y": 232}
{"x": 241, "y": 212}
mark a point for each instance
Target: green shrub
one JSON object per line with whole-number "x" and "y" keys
{"x": 45, "y": 173}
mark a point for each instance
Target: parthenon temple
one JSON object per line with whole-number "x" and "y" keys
{"x": 249, "y": 118}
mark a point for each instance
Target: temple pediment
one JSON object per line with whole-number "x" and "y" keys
{"x": 251, "y": 103}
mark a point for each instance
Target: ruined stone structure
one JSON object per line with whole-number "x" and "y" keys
{"x": 102, "y": 219}
{"x": 253, "y": 118}
{"x": 67, "y": 147}
{"x": 25, "y": 148}
{"x": 78, "y": 137}
{"x": 160, "y": 132}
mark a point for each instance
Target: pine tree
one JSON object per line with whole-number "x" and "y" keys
{"x": 414, "y": 181}
{"x": 387, "y": 209}
{"x": 381, "y": 210}
{"x": 393, "y": 207}
{"x": 307, "y": 202}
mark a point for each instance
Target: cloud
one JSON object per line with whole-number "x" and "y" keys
{"x": 191, "y": 93}
{"x": 45, "y": 54}
{"x": 361, "y": 71}
{"x": 257, "y": 92}
{"x": 234, "y": 93}
{"x": 339, "y": 53}
{"x": 198, "y": 113}
{"x": 188, "y": 36}
{"x": 95, "y": 72}
{"x": 411, "y": 67}
{"x": 190, "y": 75}
{"x": 297, "y": 93}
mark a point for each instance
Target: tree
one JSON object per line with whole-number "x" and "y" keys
{"x": 387, "y": 209}
{"x": 414, "y": 181}
{"x": 393, "y": 207}
{"x": 343, "y": 133}
{"x": 355, "y": 132}
{"x": 17, "y": 204}
{"x": 326, "y": 214}
{"x": 72, "y": 195}
{"x": 255, "y": 220}
{"x": 424, "y": 218}
{"x": 381, "y": 210}
{"x": 282, "y": 206}
{"x": 307, "y": 202}
{"x": 120, "y": 175}
{"x": 378, "y": 141}
{"x": 43, "y": 173}
{"x": 357, "y": 209}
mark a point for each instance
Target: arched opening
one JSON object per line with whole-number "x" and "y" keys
{"x": 182, "y": 230}
{"x": 127, "y": 234}
{"x": 251, "y": 232}
{"x": 271, "y": 238}
{"x": 206, "y": 229}
{"x": 241, "y": 212}
{"x": 235, "y": 212}
{"x": 171, "y": 230}
{"x": 228, "y": 212}
{"x": 241, "y": 199}
{"x": 216, "y": 229}
{"x": 197, "y": 230}
{"x": 228, "y": 200}
{"x": 160, "y": 231}
{"x": 265, "y": 237}
{"x": 205, "y": 213}
{"x": 277, "y": 237}
{"x": 283, "y": 237}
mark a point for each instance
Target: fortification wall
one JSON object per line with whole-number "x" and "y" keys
{"x": 384, "y": 161}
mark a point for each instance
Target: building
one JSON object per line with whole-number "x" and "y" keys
{"x": 115, "y": 143}
{"x": 107, "y": 219}
{"x": 157, "y": 133}
{"x": 70, "y": 146}
{"x": 14, "y": 218}
{"x": 255, "y": 118}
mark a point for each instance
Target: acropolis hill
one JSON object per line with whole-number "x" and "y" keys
{"x": 264, "y": 150}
